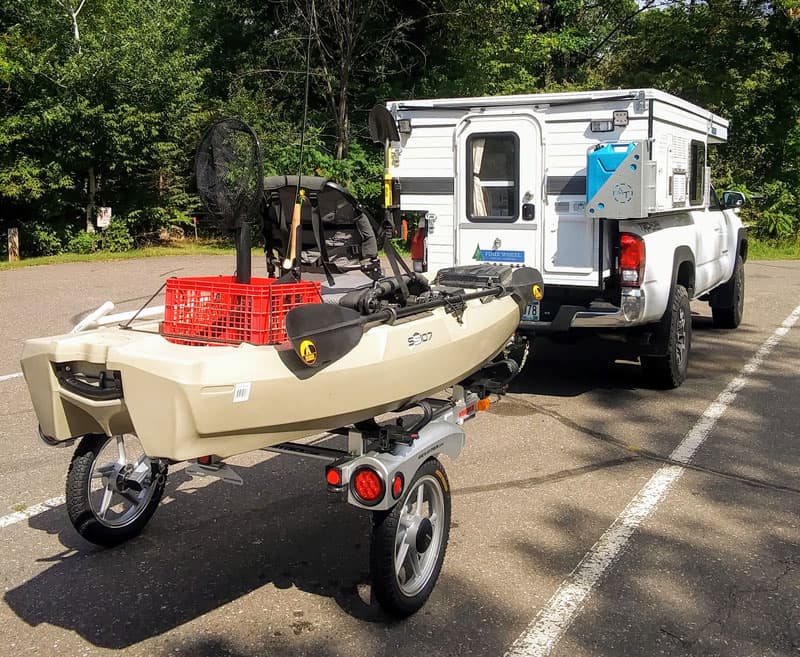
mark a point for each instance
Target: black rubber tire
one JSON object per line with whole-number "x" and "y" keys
{"x": 83, "y": 518}
{"x": 727, "y": 305}
{"x": 385, "y": 586}
{"x": 675, "y": 337}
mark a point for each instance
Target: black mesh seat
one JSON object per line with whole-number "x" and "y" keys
{"x": 337, "y": 235}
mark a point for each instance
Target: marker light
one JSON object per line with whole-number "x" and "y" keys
{"x": 368, "y": 486}
{"x": 333, "y": 477}
{"x": 397, "y": 485}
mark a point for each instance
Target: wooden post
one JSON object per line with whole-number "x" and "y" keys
{"x": 13, "y": 244}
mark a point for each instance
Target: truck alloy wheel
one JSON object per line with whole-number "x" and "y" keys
{"x": 675, "y": 335}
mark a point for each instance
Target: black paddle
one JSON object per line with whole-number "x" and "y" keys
{"x": 324, "y": 332}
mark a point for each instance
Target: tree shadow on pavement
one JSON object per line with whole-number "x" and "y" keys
{"x": 206, "y": 547}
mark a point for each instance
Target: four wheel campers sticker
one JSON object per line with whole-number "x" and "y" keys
{"x": 308, "y": 352}
{"x": 497, "y": 255}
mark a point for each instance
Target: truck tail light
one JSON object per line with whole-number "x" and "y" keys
{"x": 631, "y": 260}
{"x": 419, "y": 247}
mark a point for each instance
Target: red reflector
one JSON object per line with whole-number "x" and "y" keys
{"x": 204, "y": 460}
{"x": 333, "y": 477}
{"x": 397, "y": 485}
{"x": 367, "y": 485}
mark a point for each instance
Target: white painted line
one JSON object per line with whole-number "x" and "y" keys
{"x": 8, "y": 377}
{"x": 31, "y": 511}
{"x": 557, "y": 615}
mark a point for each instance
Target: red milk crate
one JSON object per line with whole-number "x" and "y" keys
{"x": 216, "y": 310}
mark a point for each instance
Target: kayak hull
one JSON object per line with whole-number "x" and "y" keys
{"x": 184, "y": 401}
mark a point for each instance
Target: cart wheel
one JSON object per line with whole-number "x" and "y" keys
{"x": 409, "y": 542}
{"x": 113, "y": 488}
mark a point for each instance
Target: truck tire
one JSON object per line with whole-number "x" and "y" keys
{"x": 675, "y": 335}
{"x": 727, "y": 304}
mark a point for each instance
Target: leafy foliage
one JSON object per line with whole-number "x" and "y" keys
{"x": 103, "y": 102}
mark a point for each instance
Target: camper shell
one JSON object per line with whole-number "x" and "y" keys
{"x": 606, "y": 193}
{"x": 529, "y": 205}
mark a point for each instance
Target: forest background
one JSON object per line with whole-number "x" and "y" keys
{"x": 102, "y": 102}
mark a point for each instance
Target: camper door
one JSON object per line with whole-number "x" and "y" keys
{"x": 499, "y": 189}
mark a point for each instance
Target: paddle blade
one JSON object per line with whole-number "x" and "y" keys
{"x": 382, "y": 127}
{"x": 526, "y": 284}
{"x": 323, "y": 332}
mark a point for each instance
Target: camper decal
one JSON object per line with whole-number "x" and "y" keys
{"x": 623, "y": 193}
{"x": 496, "y": 255}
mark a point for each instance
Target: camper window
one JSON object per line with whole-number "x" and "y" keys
{"x": 493, "y": 189}
{"x": 697, "y": 164}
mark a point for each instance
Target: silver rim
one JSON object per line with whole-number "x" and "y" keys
{"x": 680, "y": 336}
{"x": 121, "y": 482}
{"x": 419, "y": 535}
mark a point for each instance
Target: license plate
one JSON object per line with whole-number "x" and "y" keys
{"x": 531, "y": 313}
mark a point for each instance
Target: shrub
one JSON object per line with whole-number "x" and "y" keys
{"x": 83, "y": 242}
{"x": 117, "y": 237}
{"x": 39, "y": 239}
{"x": 779, "y": 220}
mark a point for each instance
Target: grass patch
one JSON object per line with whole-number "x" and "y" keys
{"x": 204, "y": 247}
{"x": 773, "y": 250}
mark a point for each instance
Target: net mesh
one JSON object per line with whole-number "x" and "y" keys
{"x": 229, "y": 172}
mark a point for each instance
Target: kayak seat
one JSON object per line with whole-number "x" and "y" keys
{"x": 336, "y": 236}
{"x": 349, "y": 283}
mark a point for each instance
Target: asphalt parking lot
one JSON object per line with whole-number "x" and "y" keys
{"x": 592, "y": 515}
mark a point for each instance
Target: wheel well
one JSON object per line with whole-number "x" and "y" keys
{"x": 685, "y": 276}
{"x": 743, "y": 250}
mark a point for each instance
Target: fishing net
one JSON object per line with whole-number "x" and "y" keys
{"x": 229, "y": 172}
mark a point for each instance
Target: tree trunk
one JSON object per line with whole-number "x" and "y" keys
{"x": 342, "y": 124}
{"x": 90, "y": 209}
{"x": 75, "y": 33}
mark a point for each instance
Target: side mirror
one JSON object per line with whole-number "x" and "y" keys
{"x": 732, "y": 199}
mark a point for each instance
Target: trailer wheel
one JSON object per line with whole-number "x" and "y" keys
{"x": 727, "y": 306}
{"x": 113, "y": 488}
{"x": 669, "y": 370}
{"x": 409, "y": 542}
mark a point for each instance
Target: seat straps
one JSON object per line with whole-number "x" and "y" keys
{"x": 319, "y": 237}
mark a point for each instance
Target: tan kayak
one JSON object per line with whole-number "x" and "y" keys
{"x": 184, "y": 402}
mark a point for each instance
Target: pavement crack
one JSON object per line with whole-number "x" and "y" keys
{"x": 544, "y": 479}
{"x": 655, "y": 456}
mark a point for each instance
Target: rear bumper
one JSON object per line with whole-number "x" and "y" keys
{"x": 596, "y": 316}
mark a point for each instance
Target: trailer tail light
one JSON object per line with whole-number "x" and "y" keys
{"x": 419, "y": 247}
{"x": 368, "y": 486}
{"x": 631, "y": 260}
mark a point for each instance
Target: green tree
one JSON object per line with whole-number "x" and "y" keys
{"x": 102, "y": 97}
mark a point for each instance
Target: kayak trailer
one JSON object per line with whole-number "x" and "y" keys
{"x": 390, "y": 468}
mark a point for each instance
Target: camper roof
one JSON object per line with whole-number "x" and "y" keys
{"x": 718, "y": 127}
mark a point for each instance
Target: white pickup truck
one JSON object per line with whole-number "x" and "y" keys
{"x": 606, "y": 193}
